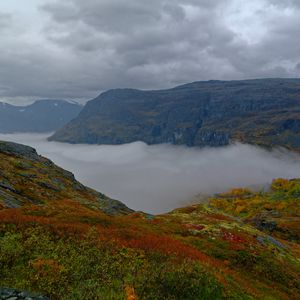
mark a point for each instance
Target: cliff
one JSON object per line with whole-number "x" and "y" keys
{"x": 214, "y": 113}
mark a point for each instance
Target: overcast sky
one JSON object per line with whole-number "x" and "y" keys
{"x": 76, "y": 49}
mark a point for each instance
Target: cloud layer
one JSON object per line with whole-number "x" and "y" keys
{"x": 160, "y": 178}
{"x": 76, "y": 48}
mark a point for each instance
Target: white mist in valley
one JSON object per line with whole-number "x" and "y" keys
{"x": 160, "y": 178}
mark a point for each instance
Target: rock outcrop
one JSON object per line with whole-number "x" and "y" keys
{"x": 14, "y": 294}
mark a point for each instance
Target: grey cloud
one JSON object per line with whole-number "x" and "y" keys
{"x": 151, "y": 45}
{"x": 286, "y": 3}
{"x": 5, "y": 20}
{"x": 169, "y": 40}
{"x": 90, "y": 46}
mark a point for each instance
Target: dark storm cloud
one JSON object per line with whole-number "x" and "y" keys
{"x": 85, "y": 47}
{"x": 143, "y": 44}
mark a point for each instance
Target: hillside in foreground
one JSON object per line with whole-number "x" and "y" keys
{"x": 263, "y": 112}
{"x": 28, "y": 178}
{"x": 65, "y": 241}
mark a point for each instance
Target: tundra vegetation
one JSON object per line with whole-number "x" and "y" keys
{"x": 65, "y": 241}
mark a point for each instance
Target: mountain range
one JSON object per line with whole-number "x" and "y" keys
{"x": 265, "y": 112}
{"x": 41, "y": 116}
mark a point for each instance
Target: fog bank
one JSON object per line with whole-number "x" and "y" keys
{"x": 160, "y": 178}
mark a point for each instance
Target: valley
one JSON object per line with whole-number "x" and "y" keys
{"x": 150, "y": 150}
{"x": 159, "y": 178}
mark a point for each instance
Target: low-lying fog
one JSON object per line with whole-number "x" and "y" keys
{"x": 160, "y": 178}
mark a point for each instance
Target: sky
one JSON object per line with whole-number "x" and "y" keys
{"x": 159, "y": 178}
{"x": 75, "y": 49}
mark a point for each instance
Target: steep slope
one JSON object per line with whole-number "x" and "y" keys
{"x": 27, "y": 178}
{"x": 41, "y": 116}
{"x": 213, "y": 113}
{"x": 57, "y": 241}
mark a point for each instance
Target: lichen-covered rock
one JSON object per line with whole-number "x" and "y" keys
{"x": 14, "y": 294}
{"x": 18, "y": 150}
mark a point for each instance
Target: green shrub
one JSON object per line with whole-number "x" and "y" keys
{"x": 64, "y": 268}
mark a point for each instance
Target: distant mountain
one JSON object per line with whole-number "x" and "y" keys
{"x": 212, "y": 113}
{"x": 41, "y": 116}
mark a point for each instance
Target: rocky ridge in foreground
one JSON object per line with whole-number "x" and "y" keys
{"x": 28, "y": 178}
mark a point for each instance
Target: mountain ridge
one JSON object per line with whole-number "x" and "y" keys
{"x": 28, "y": 178}
{"x": 40, "y": 116}
{"x": 264, "y": 112}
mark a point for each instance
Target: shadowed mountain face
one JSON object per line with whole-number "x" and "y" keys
{"x": 41, "y": 116}
{"x": 213, "y": 113}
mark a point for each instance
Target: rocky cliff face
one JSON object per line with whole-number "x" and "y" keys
{"x": 213, "y": 113}
{"x": 41, "y": 116}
